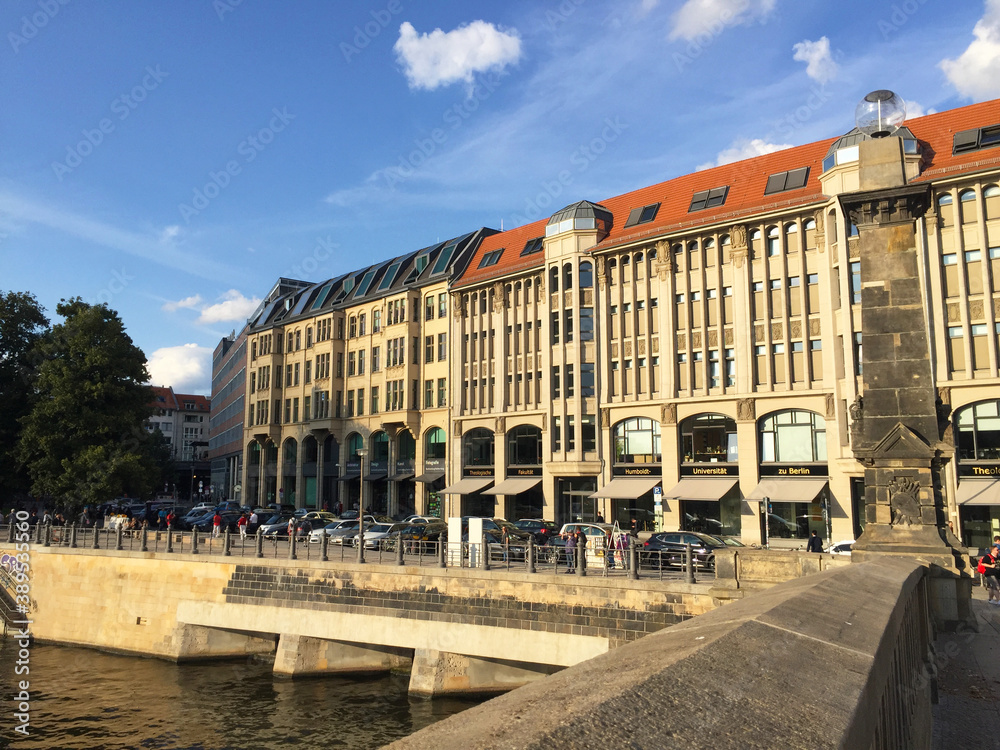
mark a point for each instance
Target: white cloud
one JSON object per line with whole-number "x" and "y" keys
{"x": 234, "y": 306}
{"x": 976, "y": 72}
{"x": 744, "y": 148}
{"x": 187, "y": 302}
{"x": 816, "y": 55}
{"x": 914, "y": 110}
{"x": 645, "y": 6}
{"x": 169, "y": 233}
{"x": 442, "y": 58}
{"x": 186, "y": 368}
{"x": 700, "y": 17}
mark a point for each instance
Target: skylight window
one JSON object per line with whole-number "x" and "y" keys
{"x": 642, "y": 215}
{"x": 790, "y": 180}
{"x": 708, "y": 198}
{"x": 491, "y": 258}
{"x": 366, "y": 281}
{"x": 321, "y": 297}
{"x": 533, "y": 246}
{"x": 975, "y": 139}
{"x": 422, "y": 263}
{"x": 389, "y": 277}
{"x": 444, "y": 258}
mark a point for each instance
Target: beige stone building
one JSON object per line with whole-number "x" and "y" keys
{"x": 682, "y": 356}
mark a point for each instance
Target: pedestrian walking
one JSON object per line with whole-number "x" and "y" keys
{"x": 241, "y": 524}
{"x": 216, "y": 524}
{"x": 253, "y": 523}
{"x": 815, "y": 544}
{"x": 988, "y": 569}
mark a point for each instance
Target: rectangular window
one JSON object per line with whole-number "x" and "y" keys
{"x": 351, "y": 363}
{"x": 556, "y": 383}
{"x": 708, "y": 198}
{"x": 429, "y": 307}
{"x": 442, "y": 304}
{"x": 556, "y": 434}
{"x": 374, "y": 409}
{"x": 361, "y": 401}
{"x": 554, "y": 333}
{"x": 306, "y": 402}
{"x": 570, "y": 384}
{"x": 307, "y": 377}
{"x": 442, "y": 347}
{"x": 855, "y": 282}
{"x": 295, "y": 410}
{"x": 350, "y": 403}
{"x": 587, "y": 381}
{"x": 428, "y": 349}
{"x": 428, "y": 394}
{"x": 442, "y": 392}
{"x": 361, "y": 362}
{"x": 376, "y": 361}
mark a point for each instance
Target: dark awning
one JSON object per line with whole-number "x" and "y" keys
{"x": 350, "y": 475}
{"x": 782, "y": 490}
{"x": 400, "y": 477}
{"x": 429, "y": 477}
{"x": 467, "y": 486}
{"x": 514, "y": 486}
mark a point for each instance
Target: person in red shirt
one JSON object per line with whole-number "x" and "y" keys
{"x": 241, "y": 524}
{"x": 216, "y": 524}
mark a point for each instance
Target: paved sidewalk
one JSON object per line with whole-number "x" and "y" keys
{"x": 967, "y": 715}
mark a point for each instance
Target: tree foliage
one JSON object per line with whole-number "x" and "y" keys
{"x": 22, "y": 323}
{"x": 84, "y": 440}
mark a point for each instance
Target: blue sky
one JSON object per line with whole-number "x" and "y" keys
{"x": 175, "y": 157}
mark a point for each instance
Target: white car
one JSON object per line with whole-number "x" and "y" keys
{"x": 841, "y": 548}
{"x": 377, "y": 532}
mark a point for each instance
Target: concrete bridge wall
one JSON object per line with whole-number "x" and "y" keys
{"x": 456, "y": 629}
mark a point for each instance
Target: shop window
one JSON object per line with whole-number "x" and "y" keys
{"x": 978, "y": 432}
{"x": 637, "y": 440}
{"x": 709, "y": 438}
{"x": 792, "y": 437}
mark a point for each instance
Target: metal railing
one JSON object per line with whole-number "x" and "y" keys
{"x": 594, "y": 559}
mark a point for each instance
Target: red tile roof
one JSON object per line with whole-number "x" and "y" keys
{"x": 163, "y": 398}
{"x": 746, "y": 180}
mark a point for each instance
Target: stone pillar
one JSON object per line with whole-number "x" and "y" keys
{"x": 299, "y": 656}
{"x": 194, "y": 642}
{"x": 436, "y": 673}
{"x": 896, "y": 432}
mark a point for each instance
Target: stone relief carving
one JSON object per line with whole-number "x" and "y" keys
{"x": 602, "y": 271}
{"x": 696, "y": 339}
{"x": 758, "y": 333}
{"x": 457, "y": 305}
{"x": 746, "y": 410}
{"x": 628, "y": 348}
{"x": 614, "y": 350}
{"x": 820, "y": 218}
{"x": 664, "y": 260}
{"x": 903, "y": 494}
{"x": 540, "y": 284}
{"x": 727, "y": 335}
{"x": 976, "y": 310}
{"x": 500, "y": 426}
{"x": 814, "y": 327}
{"x": 499, "y": 297}
{"x": 831, "y": 406}
{"x": 641, "y": 346}
{"x": 681, "y": 341}
{"x": 605, "y": 418}
{"x": 713, "y": 338}
{"x": 457, "y": 430}
{"x": 738, "y": 250}
{"x": 656, "y": 346}
{"x": 856, "y": 411}
{"x": 795, "y": 329}
{"x": 668, "y": 414}
{"x": 854, "y": 247}
{"x": 954, "y": 314}
{"x": 776, "y": 329}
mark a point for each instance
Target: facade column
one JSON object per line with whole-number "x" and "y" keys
{"x": 320, "y": 462}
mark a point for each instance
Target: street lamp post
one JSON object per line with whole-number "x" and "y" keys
{"x": 362, "y": 452}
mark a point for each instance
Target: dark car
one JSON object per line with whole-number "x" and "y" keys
{"x": 423, "y": 537}
{"x": 668, "y": 548}
{"x": 543, "y": 530}
{"x": 207, "y": 521}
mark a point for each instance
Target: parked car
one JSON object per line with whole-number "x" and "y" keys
{"x": 376, "y": 533}
{"x": 276, "y": 525}
{"x": 513, "y": 531}
{"x": 668, "y": 548}
{"x": 420, "y": 519}
{"x": 206, "y": 522}
{"x": 543, "y": 530}
{"x": 841, "y": 548}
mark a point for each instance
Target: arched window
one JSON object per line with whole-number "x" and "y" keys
{"x": 792, "y": 437}
{"x": 978, "y": 432}
{"x": 435, "y": 443}
{"x": 380, "y": 447}
{"x": 586, "y": 275}
{"x": 291, "y": 452}
{"x": 477, "y": 447}
{"x": 354, "y": 443}
{"x": 253, "y": 454}
{"x": 554, "y": 280}
{"x": 773, "y": 242}
{"x": 524, "y": 446}
{"x": 709, "y": 438}
{"x": 968, "y": 199}
{"x": 567, "y": 277}
{"x": 991, "y": 197}
{"x": 637, "y": 441}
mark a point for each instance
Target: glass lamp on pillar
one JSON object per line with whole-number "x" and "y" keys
{"x": 880, "y": 113}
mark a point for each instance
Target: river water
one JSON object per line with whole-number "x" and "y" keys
{"x": 85, "y": 700}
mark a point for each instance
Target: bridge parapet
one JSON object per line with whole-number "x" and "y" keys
{"x": 832, "y": 660}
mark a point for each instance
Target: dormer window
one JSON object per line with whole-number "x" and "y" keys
{"x": 533, "y": 246}
{"x": 642, "y": 215}
{"x": 790, "y": 180}
{"x": 975, "y": 139}
{"x": 708, "y": 198}
{"x": 491, "y": 258}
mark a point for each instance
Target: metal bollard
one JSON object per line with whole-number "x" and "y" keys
{"x": 72, "y": 535}
{"x": 38, "y": 533}
{"x": 119, "y": 535}
{"x": 399, "y": 551}
{"x": 170, "y": 537}
{"x": 633, "y": 560}
{"x": 97, "y": 533}
{"x": 226, "y": 542}
{"x": 48, "y": 536}
{"x": 486, "y": 553}
{"x": 291, "y": 544}
{"x": 581, "y": 559}
{"x": 194, "y": 541}
{"x": 145, "y": 539}
{"x": 260, "y": 543}
{"x": 530, "y": 554}
{"x": 442, "y": 562}
{"x": 688, "y": 568}
{"x": 10, "y": 529}
{"x": 325, "y": 547}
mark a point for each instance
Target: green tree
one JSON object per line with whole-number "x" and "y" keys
{"x": 84, "y": 441}
{"x": 22, "y": 323}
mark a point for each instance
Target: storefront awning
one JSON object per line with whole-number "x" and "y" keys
{"x": 430, "y": 477}
{"x": 467, "y": 486}
{"x": 350, "y": 475}
{"x": 400, "y": 477}
{"x": 701, "y": 488}
{"x": 626, "y": 488}
{"x": 979, "y": 492}
{"x": 376, "y": 477}
{"x": 782, "y": 490}
{"x": 514, "y": 486}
